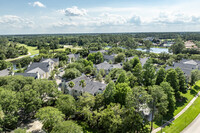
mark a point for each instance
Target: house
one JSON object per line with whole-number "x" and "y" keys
{"x": 190, "y": 44}
{"x": 4, "y": 72}
{"x": 73, "y": 57}
{"x": 149, "y": 39}
{"x": 143, "y": 60}
{"x": 167, "y": 43}
{"x": 107, "y": 67}
{"x": 101, "y": 51}
{"x": 186, "y": 66}
{"x": 34, "y": 75}
{"x": 109, "y": 57}
{"x": 40, "y": 70}
{"x": 92, "y": 87}
{"x": 54, "y": 61}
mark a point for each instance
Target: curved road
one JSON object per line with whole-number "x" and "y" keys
{"x": 194, "y": 127}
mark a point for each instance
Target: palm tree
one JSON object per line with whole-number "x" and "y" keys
{"x": 82, "y": 83}
{"x": 71, "y": 84}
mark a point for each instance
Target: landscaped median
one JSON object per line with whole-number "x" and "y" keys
{"x": 186, "y": 118}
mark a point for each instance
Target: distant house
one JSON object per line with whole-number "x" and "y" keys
{"x": 92, "y": 87}
{"x": 149, "y": 39}
{"x": 109, "y": 57}
{"x": 107, "y": 67}
{"x": 73, "y": 57}
{"x": 167, "y": 43}
{"x": 40, "y": 70}
{"x": 190, "y": 44}
{"x": 101, "y": 51}
{"x": 4, "y": 72}
{"x": 186, "y": 66}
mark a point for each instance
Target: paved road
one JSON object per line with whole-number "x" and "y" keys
{"x": 194, "y": 127}
{"x": 179, "y": 114}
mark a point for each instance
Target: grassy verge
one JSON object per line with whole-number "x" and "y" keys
{"x": 187, "y": 97}
{"x": 186, "y": 118}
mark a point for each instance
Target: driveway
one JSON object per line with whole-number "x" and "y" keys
{"x": 194, "y": 127}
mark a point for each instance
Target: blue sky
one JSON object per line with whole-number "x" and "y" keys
{"x": 98, "y": 16}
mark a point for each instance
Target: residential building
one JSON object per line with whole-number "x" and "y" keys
{"x": 4, "y": 72}
{"x": 107, "y": 67}
{"x": 186, "y": 66}
{"x": 190, "y": 44}
{"x": 101, "y": 51}
{"x": 40, "y": 70}
{"x": 92, "y": 87}
{"x": 109, "y": 57}
{"x": 73, "y": 57}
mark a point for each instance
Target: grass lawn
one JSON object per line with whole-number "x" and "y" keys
{"x": 187, "y": 97}
{"x": 185, "y": 119}
{"x": 32, "y": 50}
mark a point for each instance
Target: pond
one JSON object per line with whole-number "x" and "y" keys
{"x": 154, "y": 50}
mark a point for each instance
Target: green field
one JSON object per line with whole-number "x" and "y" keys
{"x": 32, "y": 50}
{"x": 186, "y": 118}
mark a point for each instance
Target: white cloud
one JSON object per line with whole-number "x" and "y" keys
{"x": 74, "y": 11}
{"x": 37, "y": 4}
{"x": 15, "y": 21}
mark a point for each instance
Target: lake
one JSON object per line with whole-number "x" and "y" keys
{"x": 155, "y": 50}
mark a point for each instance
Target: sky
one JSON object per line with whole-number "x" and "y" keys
{"x": 98, "y": 16}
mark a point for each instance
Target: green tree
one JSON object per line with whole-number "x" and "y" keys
{"x": 67, "y": 127}
{"x": 49, "y": 116}
{"x": 122, "y": 78}
{"x": 160, "y": 76}
{"x": 9, "y": 104}
{"x": 71, "y": 84}
{"x": 96, "y": 58}
{"x": 178, "y": 47}
{"x": 137, "y": 72}
{"x": 82, "y": 83}
{"x": 148, "y": 44}
{"x": 122, "y": 89}
{"x": 66, "y": 104}
{"x": 109, "y": 93}
{"x": 71, "y": 73}
{"x": 170, "y": 98}
{"x": 20, "y": 130}
{"x": 195, "y": 76}
{"x": 99, "y": 77}
{"x": 120, "y": 58}
{"x": 102, "y": 72}
{"x": 148, "y": 74}
{"x": 172, "y": 79}
{"x": 159, "y": 102}
{"x": 181, "y": 79}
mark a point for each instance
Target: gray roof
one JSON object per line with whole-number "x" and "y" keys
{"x": 105, "y": 65}
{"x": 119, "y": 65}
{"x": 4, "y": 72}
{"x": 109, "y": 57}
{"x": 34, "y": 75}
{"x": 38, "y": 67}
{"x": 101, "y": 51}
{"x": 73, "y": 56}
{"x": 143, "y": 60}
{"x": 91, "y": 87}
{"x": 54, "y": 60}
